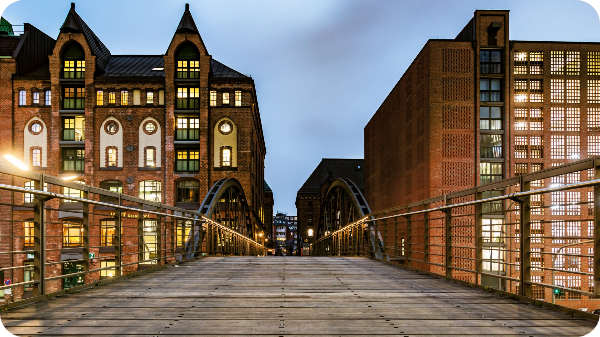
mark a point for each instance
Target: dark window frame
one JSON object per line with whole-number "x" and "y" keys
{"x": 187, "y": 133}
{"x": 73, "y": 98}
{"x": 78, "y": 159}
{"x": 187, "y": 185}
{"x": 187, "y": 164}
{"x": 486, "y": 63}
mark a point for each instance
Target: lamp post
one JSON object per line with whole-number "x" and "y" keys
{"x": 554, "y": 259}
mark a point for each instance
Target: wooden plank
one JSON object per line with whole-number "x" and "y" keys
{"x": 282, "y": 296}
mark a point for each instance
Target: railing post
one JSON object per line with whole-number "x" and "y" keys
{"x": 85, "y": 221}
{"x": 525, "y": 242}
{"x": 117, "y": 240}
{"x": 158, "y": 243}
{"x": 448, "y": 241}
{"x": 478, "y": 238}
{"x": 426, "y": 237}
{"x": 597, "y": 229}
{"x": 140, "y": 236}
{"x": 39, "y": 240}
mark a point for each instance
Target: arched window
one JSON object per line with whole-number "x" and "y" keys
{"x": 188, "y": 62}
{"x": 74, "y": 62}
{"x": 150, "y": 190}
{"x": 188, "y": 191}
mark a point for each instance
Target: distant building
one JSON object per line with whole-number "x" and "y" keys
{"x": 310, "y": 196}
{"x": 269, "y": 201}
{"x": 286, "y": 234}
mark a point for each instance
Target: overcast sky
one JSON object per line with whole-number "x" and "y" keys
{"x": 321, "y": 67}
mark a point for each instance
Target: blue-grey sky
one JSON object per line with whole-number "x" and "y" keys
{"x": 321, "y": 67}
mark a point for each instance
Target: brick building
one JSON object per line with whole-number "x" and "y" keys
{"x": 268, "y": 221}
{"x": 160, "y": 127}
{"x": 311, "y": 195}
{"x": 481, "y": 108}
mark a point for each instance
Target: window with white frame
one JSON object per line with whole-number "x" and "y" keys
{"x": 48, "y": 97}
{"x": 22, "y": 97}
{"x": 238, "y": 98}
{"x": 593, "y": 91}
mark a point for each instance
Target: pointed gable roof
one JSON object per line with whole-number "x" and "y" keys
{"x": 74, "y": 24}
{"x": 187, "y": 24}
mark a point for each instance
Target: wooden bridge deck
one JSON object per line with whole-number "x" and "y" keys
{"x": 285, "y": 296}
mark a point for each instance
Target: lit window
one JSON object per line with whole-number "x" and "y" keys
{"x": 225, "y": 98}
{"x": 493, "y": 259}
{"x": 184, "y": 227}
{"x": 572, "y": 119}
{"x": 593, "y": 91}
{"x": 536, "y": 167}
{"x": 490, "y": 118}
{"x": 99, "y": 97}
{"x": 28, "y": 234}
{"x": 111, "y": 155}
{"x": 593, "y": 119}
{"x": 520, "y": 91}
{"x": 520, "y": 63}
{"x": 557, "y": 119}
{"x": 124, "y": 97}
{"x": 310, "y": 233}
{"x": 537, "y": 260}
{"x": 490, "y": 90}
{"x": 187, "y": 128}
{"x": 536, "y": 66}
{"x": 557, "y": 91}
{"x": 107, "y": 233}
{"x": 491, "y": 146}
{"x": 188, "y": 98}
{"x": 72, "y": 233}
{"x": 557, "y": 62}
{"x": 22, "y": 97}
{"x": 213, "y": 98}
{"x": 520, "y": 169}
{"x": 28, "y": 197}
{"x": 73, "y": 192}
{"x": 48, "y": 97}
{"x": 110, "y": 272}
{"x": 238, "y": 98}
{"x": 490, "y": 172}
{"x": 36, "y": 98}
{"x": 36, "y": 157}
{"x": 137, "y": 96}
{"x": 74, "y": 129}
{"x": 573, "y": 62}
{"x": 537, "y": 231}
{"x": 111, "y": 97}
{"x": 74, "y": 98}
{"x": 187, "y": 161}
{"x": 521, "y": 122}
{"x": 520, "y": 147}
{"x": 536, "y": 119}
{"x": 74, "y": 62}
{"x": 150, "y": 190}
{"x": 188, "y": 62}
{"x": 149, "y": 97}
{"x": 593, "y": 145}
{"x": 492, "y": 230}
{"x": 593, "y": 63}
{"x": 536, "y": 148}
{"x": 573, "y": 91}
{"x": 226, "y": 156}
{"x": 535, "y": 91}
{"x": 150, "y": 157}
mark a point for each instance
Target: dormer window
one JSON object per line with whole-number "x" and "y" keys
{"x": 188, "y": 62}
{"x": 74, "y": 62}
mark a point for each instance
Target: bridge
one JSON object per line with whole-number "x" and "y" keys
{"x": 472, "y": 262}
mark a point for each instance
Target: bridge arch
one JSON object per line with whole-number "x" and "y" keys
{"x": 226, "y": 203}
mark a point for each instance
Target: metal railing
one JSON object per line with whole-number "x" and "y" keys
{"x": 51, "y": 242}
{"x": 514, "y": 235}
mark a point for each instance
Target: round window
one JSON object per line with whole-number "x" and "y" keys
{"x": 112, "y": 127}
{"x": 225, "y": 127}
{"x": 150, "y": 127}
{"x": 35, "y": 127}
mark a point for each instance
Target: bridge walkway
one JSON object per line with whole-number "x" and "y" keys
{"x": 287, "y": 296}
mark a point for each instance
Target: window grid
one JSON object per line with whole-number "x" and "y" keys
{"x": 557, "y": 119}
{"x": 72, "y": 234}
{"x": 36, "y": 98}
{"x": 150, "y": 157}
{"x": 593, "y": 119}
{"x": 111, "y": 154}
{"x": 573, "y": 91}
{"x": 188, "y": 128}
{"x": 535, "y": 91}
{"x": 187, "y": 161}
{"x": 521, "y": 91}
{"x": 593, "y": 90}
{"x": 490, "y": 90}
{"x": 573, "y": 121}
{"x": 490, "y": 118}
{"x": 48, "y": 97}
{"x": 573, "y": 63}
{"x": 238, "y": 98}
{"x": 188, "y": 98}
{"x": 150, "y": 190}
{"x": 111, "y": 97}
{"x": 36, "y": 157}
{"x": 557, "y": 91}
{"x": 213, "y": 98}
{"x": 536, "y": 65}
{"x": 520, "y": 169}
{"x": 535, "y": 167}
{"x": 593, "y": 145}
{"x": 557, "y": 62}
{"x": 74, "y": 98}
{"x": 149, "y": 97}
{"x": 226, "y": 98}
{"x": 520, "y": 63}
{"x": 593, "y": 62}
{"x": 520, "y": 147}
{"x": 536, "y": 147}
